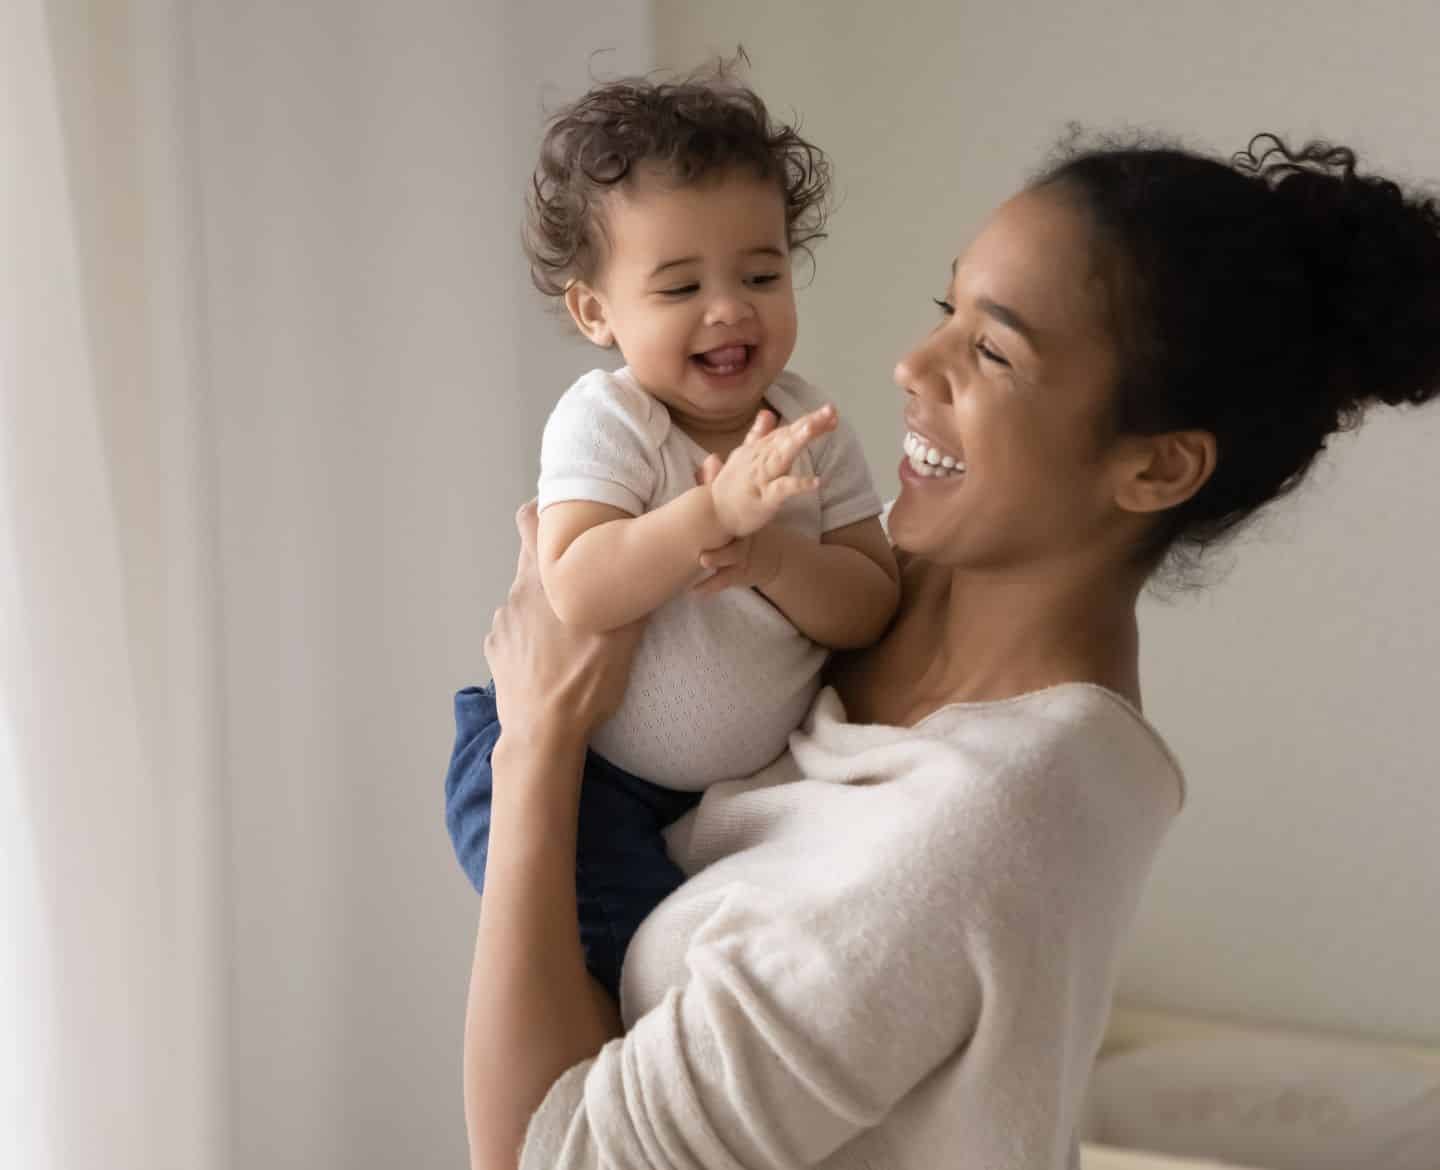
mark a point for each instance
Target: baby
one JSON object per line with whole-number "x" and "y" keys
{"x": 702, "y": 485}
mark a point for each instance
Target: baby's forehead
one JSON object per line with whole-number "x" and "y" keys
{"x": 734, "y": 212}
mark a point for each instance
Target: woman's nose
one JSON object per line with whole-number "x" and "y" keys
{"x": 916, "y": 372}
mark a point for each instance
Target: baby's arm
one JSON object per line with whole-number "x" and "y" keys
{"x": 602, "y": 568}
{"x": 841, "y": 591}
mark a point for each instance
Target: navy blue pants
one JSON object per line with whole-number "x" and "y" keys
{"x": 622, "y": 870}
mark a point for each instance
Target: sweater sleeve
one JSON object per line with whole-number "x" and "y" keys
{"x": 799, "y": 1027}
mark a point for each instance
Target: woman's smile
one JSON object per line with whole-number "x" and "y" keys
{"x": 929, "y": 461}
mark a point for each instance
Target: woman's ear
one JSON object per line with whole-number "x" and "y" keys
{"x": 588, "y": 310}
{"x": 1161, "y": 471}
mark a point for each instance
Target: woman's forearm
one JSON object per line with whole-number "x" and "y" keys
{"x": 534, "y": 1010}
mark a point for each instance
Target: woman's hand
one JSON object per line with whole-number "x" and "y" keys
{"x": 551, "y": 680}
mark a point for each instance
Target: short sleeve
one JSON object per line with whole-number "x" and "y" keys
{"x": 602, "y": 443}
{"x": 795, "y": 1033}
{"x": 847, "y": 494}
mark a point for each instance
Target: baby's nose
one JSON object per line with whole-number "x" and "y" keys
{"x": 726, "y": 310}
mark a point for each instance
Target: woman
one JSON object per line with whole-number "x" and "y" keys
{"x": 897, "y": 943}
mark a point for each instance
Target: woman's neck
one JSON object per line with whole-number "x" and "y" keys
{"x": 997, "y": 635}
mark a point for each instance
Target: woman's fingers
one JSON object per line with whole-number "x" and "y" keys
{"x": 527, "y": 520}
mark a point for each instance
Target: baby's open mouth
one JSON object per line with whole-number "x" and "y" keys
{"x": 724, "y": 359}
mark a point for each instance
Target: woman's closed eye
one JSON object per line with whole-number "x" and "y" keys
{"x": 990, "y": 355}
{"x": 983, "y": 349}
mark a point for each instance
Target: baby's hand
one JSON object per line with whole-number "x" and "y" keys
{"x": 755, "y": 481}
{"x": 746, "y": 561}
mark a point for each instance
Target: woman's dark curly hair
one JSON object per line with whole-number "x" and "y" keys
{"x": 701, "y": 127}
{"x": 1268, "y": 301}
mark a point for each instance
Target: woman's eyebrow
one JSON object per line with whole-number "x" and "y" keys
{"x": 1002, "y": 313}
{"x": 1008, "y": 317}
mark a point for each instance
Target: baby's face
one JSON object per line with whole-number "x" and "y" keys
{"x": 696, "y": 292}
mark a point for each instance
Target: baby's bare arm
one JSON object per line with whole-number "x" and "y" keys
{"x": 603, "y": 568}
{"x": 840, "y": 591}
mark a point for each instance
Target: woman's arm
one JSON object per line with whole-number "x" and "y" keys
{"x": 805, "y": 1017}
{"x": 792, "y": 1034}
{"x": 533, "y": 1009}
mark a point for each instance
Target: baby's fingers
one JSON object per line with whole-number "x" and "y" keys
{"x": 765, "y": 422}
{"x": 789, "y": 441}
{"x": 708, "y": 470}
{"x": 777, "y": 491}
{"x": 817, "y": 422}
{"x": 724, "y": 556}
{"x": 724, "y": 579}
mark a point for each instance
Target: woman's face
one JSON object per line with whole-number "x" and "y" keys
{"x": 1014, "y": 385}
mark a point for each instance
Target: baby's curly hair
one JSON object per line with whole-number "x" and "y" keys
{"x": 697, "y": 128}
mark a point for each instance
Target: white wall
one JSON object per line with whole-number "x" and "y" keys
{"x": 381, "y": 369}
{"x": 1301, "y": 884}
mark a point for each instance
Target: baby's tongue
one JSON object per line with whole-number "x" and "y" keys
{"x": 726, "y": 355}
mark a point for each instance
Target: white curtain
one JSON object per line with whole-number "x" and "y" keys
{"x": 109, "y": 995}
{"x": 273, "y": 381}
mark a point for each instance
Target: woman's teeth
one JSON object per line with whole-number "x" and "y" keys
{"x": 931, "y": 461}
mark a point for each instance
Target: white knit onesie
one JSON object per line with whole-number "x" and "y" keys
{"x": 718, "y": 682}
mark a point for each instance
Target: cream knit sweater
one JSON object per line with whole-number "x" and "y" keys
{"x": 895, "y": 950}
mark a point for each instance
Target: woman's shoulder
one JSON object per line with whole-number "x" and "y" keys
{"x": 1097, "y": 728}
{"x": 1075, "y": 737}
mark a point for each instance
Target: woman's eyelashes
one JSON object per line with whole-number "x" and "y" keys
{"x": 981, "y": 347}
{"x": 990, "y": 355}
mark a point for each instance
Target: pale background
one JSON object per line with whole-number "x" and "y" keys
{"x": 320, "y": 376}
{"x": 380, "y": 371}
{"x": 1301, "y": 884}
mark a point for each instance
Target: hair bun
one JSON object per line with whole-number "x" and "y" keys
{"x": 1371, "y": 255}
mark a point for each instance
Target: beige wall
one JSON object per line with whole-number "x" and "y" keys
{"x": 380, "y": 371}
{"x": 1302, "y": 882}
